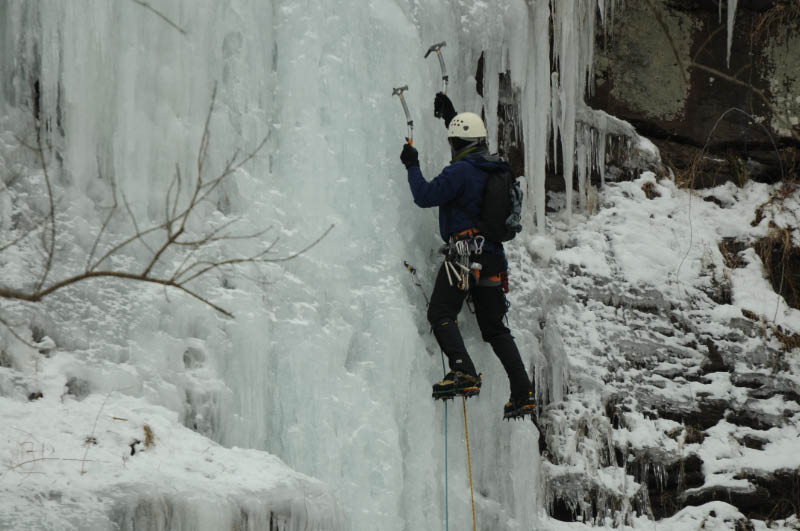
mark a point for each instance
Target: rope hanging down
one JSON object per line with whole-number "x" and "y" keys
{"x": 413, "y": 271}
{"x": 446, "y": 483}
{"x": 469, "y": 466}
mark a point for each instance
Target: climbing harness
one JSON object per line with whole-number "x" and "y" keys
{"x": 438, "y": 49}
{"x": 398, "y": 91}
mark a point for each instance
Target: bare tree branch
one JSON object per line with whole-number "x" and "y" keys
{"x": 52, "y": 215}
{"x": 94, "y": 427}
{"x": 663, "y": 25}
{"x": 304, "y": 249}
{"x": 160, "y": 15}
{"x": 204, "y": 139}
{"x": 133, "y": 220}
{"x": 176, "y": 236}
{"x": 9, "y": 293}
{"x": 14, "y": 333}
{"x": 210, "y": 265}
{"x": 705, "y": 42}
{"x": 115, "y": 249}
{"x": 19, "y": 239}
{"x": 105, "y": 224}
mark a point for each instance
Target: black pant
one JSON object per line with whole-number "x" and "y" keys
{"x": 490, "y": 308}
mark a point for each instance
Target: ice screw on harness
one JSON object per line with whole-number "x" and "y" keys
{"x": 438, "y": 49}
{"x": 457, "y": 262}
{"x": 398, "y": 91}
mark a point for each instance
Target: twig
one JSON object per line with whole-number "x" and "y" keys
{"x": 105, "y": 224}
{"x": 123, "y": 244}
{"x": 257, "y": 258}
{"x": 37, "y": 459}
{"x": 175, "y": 179}
{"x": 34, "y": 226}
{"x": 175, "y": 226}
{"x": 19, "y": 239}
{"x": 51, "y": 216}
{"x": 298, "y": 253}
{"x": 204, "y": 139}
{"x": 94, "y": 427}
{"x": 160, "y": 15}
{"x": 700, "y": 156}
{"x": 133, "y": 220}
{"x": 776, "y": 113}
{"x": 213, "y": 235}
{"x": 669, "y": 38}
{"x": 17, "y": 336}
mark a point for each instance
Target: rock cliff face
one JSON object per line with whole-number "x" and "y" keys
{"x": 710, "y": 378}
{"x": 664, "y": 66}
{"x": 682, "y": 389}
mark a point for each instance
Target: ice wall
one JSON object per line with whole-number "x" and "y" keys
{"x": 328, "y": 363}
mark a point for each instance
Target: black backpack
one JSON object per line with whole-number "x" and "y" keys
{"x": 501, "y": 208}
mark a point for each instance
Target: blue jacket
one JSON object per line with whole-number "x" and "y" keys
{"x": 457, "y": 191}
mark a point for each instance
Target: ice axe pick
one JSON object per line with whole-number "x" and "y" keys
{"x": 438, "y": 49}
{"x": 399, "y": 93}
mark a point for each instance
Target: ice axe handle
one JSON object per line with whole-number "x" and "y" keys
{"x": 445, "y": 77}
{"x": 399, "y": 93}
{"x": 438, "y": 49}
{"x": 405, "y": 109}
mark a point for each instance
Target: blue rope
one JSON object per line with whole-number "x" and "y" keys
{"x": 446, "y": 487}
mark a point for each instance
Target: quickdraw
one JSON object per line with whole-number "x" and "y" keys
{"x": 458, "y": 262}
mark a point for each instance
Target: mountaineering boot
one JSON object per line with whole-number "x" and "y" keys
{"x": 457, "y": 383}
{"x": 519, "y": 407}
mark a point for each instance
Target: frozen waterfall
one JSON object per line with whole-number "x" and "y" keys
{"x": 328, "y": 362}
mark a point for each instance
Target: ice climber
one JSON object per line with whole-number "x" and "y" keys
{"x": 481, "y": 271}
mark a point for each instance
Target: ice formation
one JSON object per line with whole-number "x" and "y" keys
{"x": 328, "y": 363}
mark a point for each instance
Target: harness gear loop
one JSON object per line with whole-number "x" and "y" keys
{"x": 458, "y": 262}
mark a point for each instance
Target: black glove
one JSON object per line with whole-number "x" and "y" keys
{"x": 443, "y": 108}
{"x": 409, "y": 157}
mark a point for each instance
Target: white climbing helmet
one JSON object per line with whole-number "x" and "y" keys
{"x": 466, "y": 125}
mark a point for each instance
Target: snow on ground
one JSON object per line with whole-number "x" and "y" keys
{"x": 636, "y": 297}
{"x": 329, "y": 359}
{"x": 86, "y": 463}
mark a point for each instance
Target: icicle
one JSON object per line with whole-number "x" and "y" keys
{"x": 601, "y": 156}
{"x": 540, "y": 88}
{"x": 581, "y": 156}
{"x": 731, "y": 19}
{"x": 555, "y": 113}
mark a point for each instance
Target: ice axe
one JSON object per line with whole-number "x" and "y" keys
{"x": 399, "y": 93}
{"x": 438, "y": 49}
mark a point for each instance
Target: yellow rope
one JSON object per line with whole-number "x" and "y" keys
{"x": 469, "y": 465}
